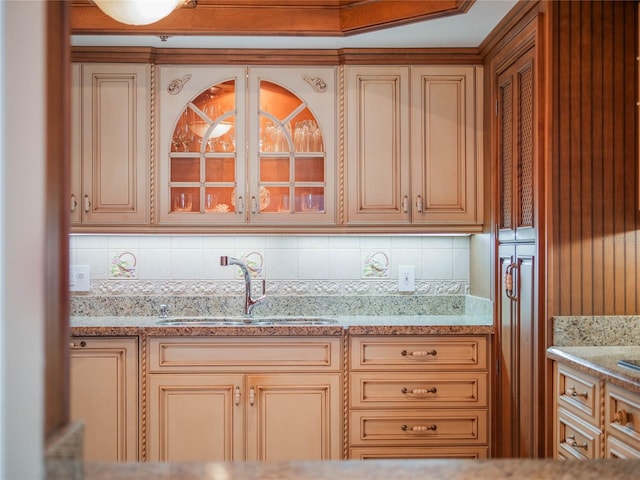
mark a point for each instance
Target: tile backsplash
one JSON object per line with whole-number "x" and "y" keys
{"x": 305, "y": 275}
{"x": 291, "y": 265}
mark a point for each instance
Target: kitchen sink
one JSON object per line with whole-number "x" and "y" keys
{"x": 245, "y": 322}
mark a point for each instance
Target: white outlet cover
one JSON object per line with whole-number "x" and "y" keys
{"x": 406, "y": 278}
{"x": 79, "y": 278}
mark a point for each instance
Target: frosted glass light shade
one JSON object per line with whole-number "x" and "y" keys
{"x": 137, "y": 12}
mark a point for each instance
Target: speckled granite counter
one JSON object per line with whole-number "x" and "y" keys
{"x": 601, "y": 362}
{"x": 356, "y": 325}
{"x": 370, "y": 470}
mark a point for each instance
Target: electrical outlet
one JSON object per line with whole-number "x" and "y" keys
{"x": 79, "y": 278}
{"x": 406, "y": 278}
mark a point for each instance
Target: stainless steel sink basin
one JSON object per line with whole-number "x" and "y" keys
{"x": 245, "y": 322}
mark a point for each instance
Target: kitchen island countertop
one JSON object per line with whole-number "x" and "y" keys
{"x": 369, "y": 470}
{"x": 601, "y": 362}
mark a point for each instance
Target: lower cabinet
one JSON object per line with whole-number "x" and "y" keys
{"x": 418, "y": 397}
{"x": 234, "y": 399}
{"x": 104, "y": 395}
{"x": 593, "y": 418}
{"x": 622, "y": 423}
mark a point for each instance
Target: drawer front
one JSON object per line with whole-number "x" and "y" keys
{"x": 198, "y": 354}
{"x": 413, "y": 390}
{"x": 620, "y": 450}
{"x": 576, "y": 438}
{"x": 418, "y": 353}
{"x": 622, "y": 415}
{"x": 418, "y": 427}
{"x": 579, "y": 393}
{"x": 407, "y": 453}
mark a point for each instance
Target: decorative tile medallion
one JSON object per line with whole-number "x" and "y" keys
{"x": 123, "y": 264}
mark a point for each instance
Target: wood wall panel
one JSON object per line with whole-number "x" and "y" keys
{"x": 596, "y": 242}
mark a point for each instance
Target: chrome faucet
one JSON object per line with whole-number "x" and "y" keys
{"x": 249, "y": 302}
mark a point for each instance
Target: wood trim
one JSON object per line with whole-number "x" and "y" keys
{"x": 409, "y": 56}
{"x": 271, "y": 17}
{"x": 58, "y": 106}
{"x": 509, "y": 27}
{"x": 222, "y": 56}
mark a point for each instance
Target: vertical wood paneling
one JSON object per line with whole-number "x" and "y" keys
{"x": 595, "y": 178}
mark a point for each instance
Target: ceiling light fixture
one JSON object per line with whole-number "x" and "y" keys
{"x": 137, "y": 12}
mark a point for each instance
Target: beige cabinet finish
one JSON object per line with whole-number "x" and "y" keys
{"x": 195, "y": 418}
{"x": 413, "y": 137}
{"x": 249, "y": 179}
{"x": 111, "y": 143}
{"x": 418, "y": 397}
{"x": 377, "y": 140}
{"x": 271, "y": 399}
{"x": 294, "y": 416}
{"x": 446, "y": 148}
{"x": 593, "y": 418}
{"x": 104, "y": 394}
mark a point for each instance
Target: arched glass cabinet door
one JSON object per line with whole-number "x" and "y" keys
{"x": 291, "y": 170}
{"x": 203, "y": 170}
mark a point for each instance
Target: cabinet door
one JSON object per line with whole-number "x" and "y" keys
{"x": 195, "y": 418}
{"x": 292, "y": 174}
{"x": 519, "y": 377}
{"x": 517, "y": 150}
{"x": 75, "y": 199}
{"x": 446, "y": 130}
{"x": 294, "y": 417}
{"x": 377, "y": 141}
{"x": 202, "y": 145}
{"x": 104, "y": 394}
{"x": 115, "y": 143}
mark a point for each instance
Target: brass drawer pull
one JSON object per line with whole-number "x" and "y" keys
{"x": 621, "y": 417}
{"x": 419, "y": 391}
{"x": 419, "y": 353}
{"x": 81, "y": 344}
{"x": 236, "y": 396}
{"x": 571, "y": 392}
{"x": 571, "y": 441}
{"x": 419, "y": 428}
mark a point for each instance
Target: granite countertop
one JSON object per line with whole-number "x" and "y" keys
{"x": 356, "y": 325}
{"x": 601, "y": 362}
{"x": 370, "y": 470}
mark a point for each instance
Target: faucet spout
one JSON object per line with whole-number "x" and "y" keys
{"x": 249, "y": 301}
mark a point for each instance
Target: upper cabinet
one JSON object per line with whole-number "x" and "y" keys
{"x": 247, "y": 145}
{"x": 413, "y": 146}
{"x": 377, "y": 139}
{"x": 282, "y": 149}
{"x": 110, "y": 144}
{"x": 517, "y": 140}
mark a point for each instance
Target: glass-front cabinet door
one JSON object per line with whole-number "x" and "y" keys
{"x": 245, "y": 145}
{"x": 202, "y": 154}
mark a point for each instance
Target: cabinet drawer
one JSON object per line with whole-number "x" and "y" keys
{"x": 198, "y": 354}
{"x": 576, "y": 438}
{"x": 578, "y": 393}
{"x": 418, "y": 353}
{"x": 619, "y": 449}
{"x": 418, "y": 427}
{"x": 622, "y": 415}
{"x": 405, "y": 453}
{"x": 399, "y": 389}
